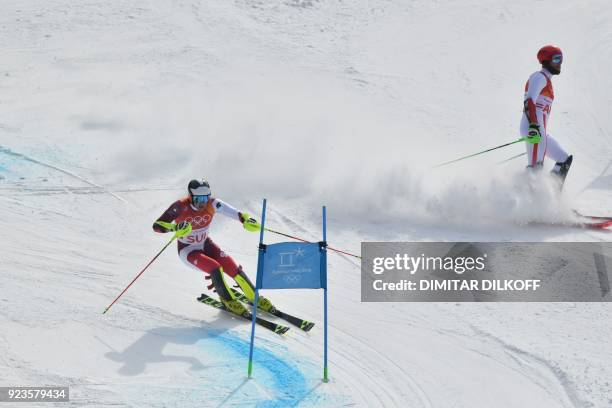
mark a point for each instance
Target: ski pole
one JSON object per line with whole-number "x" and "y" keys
{"x": 511, "y": 158}
{"x": 303, "y": 240}
{"x": 522, "y": 139}
{"x": 141, "y": 272}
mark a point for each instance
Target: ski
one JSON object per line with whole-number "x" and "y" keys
{"x": 304, "y": 325}
{"x": 591, "y": 217}
{"x": 594, "y": 221}
{"x": 276, "y": 328}
{"x": 596, "y": 224}
{"x": 601, "y": 224}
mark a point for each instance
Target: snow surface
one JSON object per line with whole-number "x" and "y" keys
{"x": 109, "y": 108}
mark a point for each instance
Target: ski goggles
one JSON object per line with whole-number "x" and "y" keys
{"x": 200, "y": 199}
{"x": 557, "y": 58}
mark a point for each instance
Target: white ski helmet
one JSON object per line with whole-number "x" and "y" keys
{"x": 199, "y": 191}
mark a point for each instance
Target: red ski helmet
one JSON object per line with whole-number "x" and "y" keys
{"x": 547, "y": 53}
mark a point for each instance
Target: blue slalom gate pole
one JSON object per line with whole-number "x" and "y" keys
{"x": 325, "y": 377}
{"x": 257, "y": 286}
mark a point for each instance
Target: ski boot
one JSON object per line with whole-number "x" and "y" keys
{"x": 560, "y": 170}
{"x": 225, "y": 295}
{"x": 265, "y": 305}
{"x": 236, "y": 307}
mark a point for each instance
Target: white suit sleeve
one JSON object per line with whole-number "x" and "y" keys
{"x": 226, "y": 209}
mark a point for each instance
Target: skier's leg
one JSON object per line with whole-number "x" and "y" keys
{"x": 245, "y": 284}
{"x": 555, "y": 151}
{"x": 225, "y": 293}
{"x": 535, "y": 151}
{"x": 235, "y": 271}
{"x": 535, "y": 154}
{"x": 249, "y": 291}
{"x": 196, "y": 258}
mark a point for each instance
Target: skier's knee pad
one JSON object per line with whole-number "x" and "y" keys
{"x": 245, "y": 284}
{"x": 219, "y": 283}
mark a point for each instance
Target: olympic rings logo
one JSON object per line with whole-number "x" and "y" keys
{"x": 292, "y": 278}
{"x": 198, "y": 220}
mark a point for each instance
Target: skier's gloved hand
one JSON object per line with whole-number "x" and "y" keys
{"x": 163, "y": 226}
{"x": 183, "y": 228}
{"x": 534, "y": 136}
{"x": 249, "y": 223}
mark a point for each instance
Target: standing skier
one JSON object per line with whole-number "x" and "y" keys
{"x": 191, "y": 216}
{"x": 538, "y": 100}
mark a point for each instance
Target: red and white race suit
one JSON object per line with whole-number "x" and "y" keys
{"x": 197, "y": 250}
{"x": 538, "y": 100}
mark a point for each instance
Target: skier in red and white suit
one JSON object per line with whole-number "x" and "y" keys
{"x": 191, "y": 216}
{"x": 539, "y": 96}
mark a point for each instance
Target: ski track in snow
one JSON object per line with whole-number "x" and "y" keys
{"x": 536, "y": 365}
{"x": 7, "y": 151}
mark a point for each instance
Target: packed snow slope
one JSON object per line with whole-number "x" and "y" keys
{"x": 108, "y": 109}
